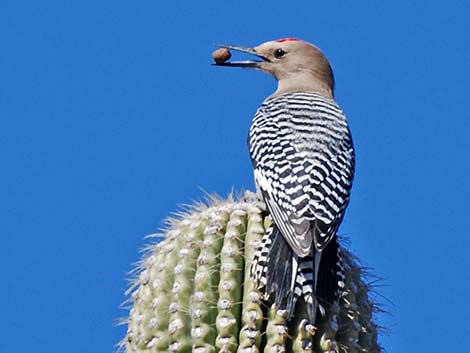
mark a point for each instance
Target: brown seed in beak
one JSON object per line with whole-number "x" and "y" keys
{"x": 221, "y": 55}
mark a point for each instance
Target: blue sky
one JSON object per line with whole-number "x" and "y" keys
{"x": 111, "y": 115}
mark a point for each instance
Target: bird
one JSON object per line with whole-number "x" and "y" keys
{"x": 303, "y": 161}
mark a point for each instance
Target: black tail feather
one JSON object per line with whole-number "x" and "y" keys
{"x": 330, "y": 274}
{"x": 279, "y": 274}
{"x": 273, "y": 266}
{"x": 305, "y": 280}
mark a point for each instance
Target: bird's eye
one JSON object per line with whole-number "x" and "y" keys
{"x": 279, "y": 53}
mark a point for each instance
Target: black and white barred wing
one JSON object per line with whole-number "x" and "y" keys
{"x": 272, "y": 171}
{"x": 303, "y": 161}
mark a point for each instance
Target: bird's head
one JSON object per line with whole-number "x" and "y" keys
{"x": 297, "y": 65}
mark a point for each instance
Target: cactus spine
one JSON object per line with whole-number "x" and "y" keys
{"x": 194, "y": 293}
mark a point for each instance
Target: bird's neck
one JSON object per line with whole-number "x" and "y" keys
{"x": 301, "y": 84}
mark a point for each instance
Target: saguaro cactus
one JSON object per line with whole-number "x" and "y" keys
{"x": 194, "y": 293}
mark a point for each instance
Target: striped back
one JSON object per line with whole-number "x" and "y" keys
{"x": 303, "y": 159}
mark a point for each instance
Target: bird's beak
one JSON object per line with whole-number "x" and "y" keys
{"x": 255, "y": 64}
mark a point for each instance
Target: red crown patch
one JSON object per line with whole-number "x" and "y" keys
{"x": 287, "y": 40}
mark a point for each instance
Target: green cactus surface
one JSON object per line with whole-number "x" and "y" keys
{"x": 194, "y": 293}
